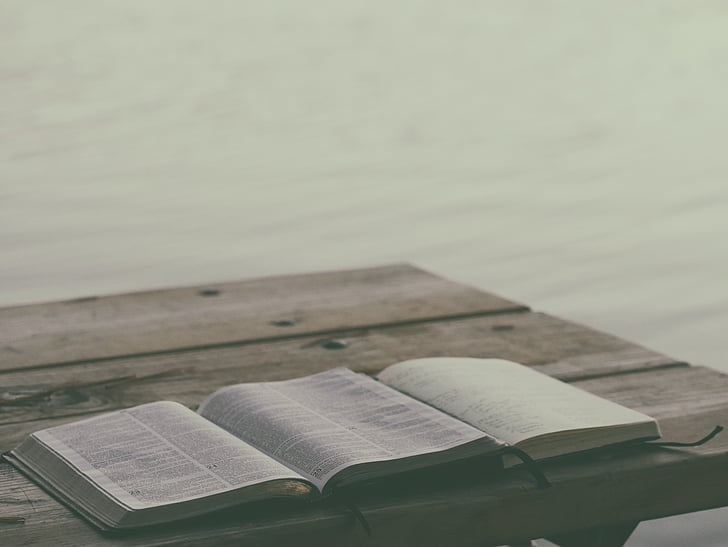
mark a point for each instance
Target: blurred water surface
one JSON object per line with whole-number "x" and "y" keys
{"x": 568, "y": 155}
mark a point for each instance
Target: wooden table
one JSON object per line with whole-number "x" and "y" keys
{"x": 65, "y": 360}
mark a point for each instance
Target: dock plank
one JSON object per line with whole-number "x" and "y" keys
{"x": 560, "y": 348}
{"x": 80, "y": 358}
{"x": 665, "y": 393}
{"x": 601, "y": 488}
{"x": 673, "y": 392}
{"x": 218, "y": 314}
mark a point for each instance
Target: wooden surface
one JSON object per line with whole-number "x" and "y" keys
{"x": 69, "y": 359}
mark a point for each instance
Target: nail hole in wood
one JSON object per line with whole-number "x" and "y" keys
{"x": 334, "y": 344}
{"x": 284, "y": 322}
{"x": 208, "y": 292}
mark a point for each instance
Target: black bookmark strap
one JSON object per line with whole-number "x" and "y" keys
{"x": 707, "y": 438}
{"x": 532, "y": 466}
{"x": 354, "y": 510}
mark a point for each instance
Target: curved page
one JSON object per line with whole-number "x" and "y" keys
{"x": 326, "y": 422}
{"x": 160, "y": 453}
{"x": 508, "y": 400}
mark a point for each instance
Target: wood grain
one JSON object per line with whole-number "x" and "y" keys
{"x": 38, "y": 397}
{"x": 181, "y": 345}
{"x": 218, "y": 314}
{"x": 605, "y": 487}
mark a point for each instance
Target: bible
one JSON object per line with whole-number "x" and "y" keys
{"x": 307, "y": 437}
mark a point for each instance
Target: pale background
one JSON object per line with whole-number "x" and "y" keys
{"x": 569, "y": 155}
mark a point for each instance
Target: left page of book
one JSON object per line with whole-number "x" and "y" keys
{"x": 327, "y": 422}
{"x": 158, "y": 453}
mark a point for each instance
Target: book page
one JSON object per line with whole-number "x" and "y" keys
{"x": 160, "y": 453}
{"x": 510, "y": 401}
{"x": 326, "y": 422}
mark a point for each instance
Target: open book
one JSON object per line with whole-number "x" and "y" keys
{"x": 309, "y": 436}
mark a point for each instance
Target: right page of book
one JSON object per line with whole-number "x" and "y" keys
{"x": 508, "y": 400}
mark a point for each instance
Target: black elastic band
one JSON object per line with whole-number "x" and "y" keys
{"x": 351, "y": 506}
{"x": 708, "y": 437}
{"x": 532, "y": 466}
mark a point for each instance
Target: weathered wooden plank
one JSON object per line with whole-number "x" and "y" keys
{"x": 557, "y": 347}
{"x": 602, "y": 488}
{"x": 669, "y": 393}
{"x": 377, "y": 317}
{"x": 145, "y": 322}
{"x": 664, "y": 393}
